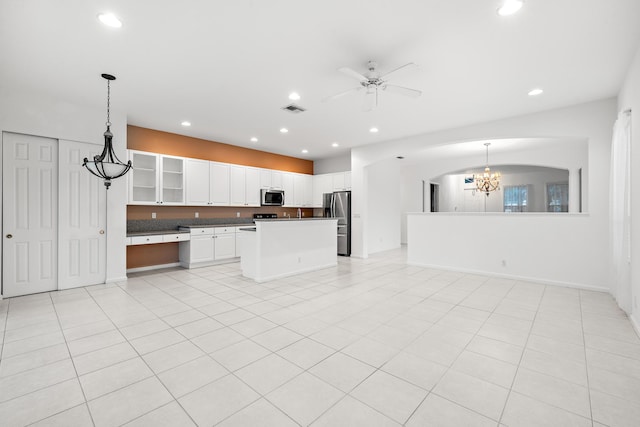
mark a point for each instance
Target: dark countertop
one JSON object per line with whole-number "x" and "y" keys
{"x": 155, "y": 233}
{"x": 190, "y": 226}
{"x": 315, "y": 218}
{"x": 153, "y": 226}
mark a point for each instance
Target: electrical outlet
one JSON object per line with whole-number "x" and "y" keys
{"x": 197, "y": 214}
{"x": 237, "y": 214}
{"x": 153, "y": 215}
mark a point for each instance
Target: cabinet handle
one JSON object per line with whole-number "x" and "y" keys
{"x": 9, "y": 236}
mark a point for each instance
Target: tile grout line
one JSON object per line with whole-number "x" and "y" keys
{"x": 586, "y": 362}
{"x": 136, "y": 382}
{"x": 77, "y": 378}
{"x": 524, "y": 348}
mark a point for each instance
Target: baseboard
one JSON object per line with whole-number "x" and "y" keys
{"x": 581, "y": 286}
{"x": 116, "y": 279}
{"x": 293, "y": 273}
{"x": 636, "y": 326}
{"x": 152, "y": 267}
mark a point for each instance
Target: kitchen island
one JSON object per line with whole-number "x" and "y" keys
{"x": 277, "y": 248}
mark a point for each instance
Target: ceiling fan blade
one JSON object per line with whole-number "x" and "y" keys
{"x": 356, "y": 75}
{"x": 370, "y": 100}
{"x": 408, "y": 66}
{"x": 341, "y": 94}
{"x": 412, "y": 93}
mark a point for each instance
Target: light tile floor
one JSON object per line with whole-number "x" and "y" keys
{"x": 369, "y": 343}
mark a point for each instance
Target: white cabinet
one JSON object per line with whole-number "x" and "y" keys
{"x": 341, "y": 181}
{"x": 287, "y": 186}
{"x": 245, "y": 186}
{"x": 207, "y": 183}
{"x": 156, "y": 179}
{"x": 219, "y": 178}
{"x": 347, "y": 180}
{"x": 321, "y": 184}
{"x": 208, "y": 245}
{"x": 265, "y": 178}
{"x": 271, "y": 179}
{"x": 197, "y": 182}
{"x": 276, "y": 180}
{"x": 144, "y": 178}
{"x": 302, "y": 190}
{"x": 199, "y": 249}
{"x": 172, "y": 180}
{"x": 225, "y": 243}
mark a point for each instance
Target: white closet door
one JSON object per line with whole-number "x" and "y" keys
{"x": 30, "y": 206}
{"x": 82, "y": 236}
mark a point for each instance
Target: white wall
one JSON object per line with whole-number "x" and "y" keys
{"x": 36, "y": 114}
{"x": 341, "y": 163}
{"x": 629, "y": 97}
{"x": 383, "y": 207}
{"x": 589, "y": 122}
{"x": 555, "y": 249}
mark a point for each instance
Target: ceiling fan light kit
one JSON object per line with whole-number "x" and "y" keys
{"x": 372, "y": 81}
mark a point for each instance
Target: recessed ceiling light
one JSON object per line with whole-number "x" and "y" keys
{"x": 509, "y": 7}
{"x": 294, "y": 96}
{"x": 110, "y": 20}
{"x": 254, "y": 139}
{"x": 535, "y": 92}
{"x": 335, "y": 144}
{"x": 186, "y": 123}
{"x": 373, "y": 130}
{"x": 284, "y": 130}
{"x": 305, "y": 151}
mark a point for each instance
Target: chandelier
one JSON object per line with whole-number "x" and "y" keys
{"x": 107, "y": 165}
{"x": 487, "y": 181}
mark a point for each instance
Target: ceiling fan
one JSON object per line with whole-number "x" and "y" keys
{"x": 373, "y": 82}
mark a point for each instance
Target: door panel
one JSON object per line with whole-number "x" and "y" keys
{"x": 82, "y": 248}
{"x": 29, "y": 224}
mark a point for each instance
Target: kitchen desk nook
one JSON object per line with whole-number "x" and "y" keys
{"x": 277, "y": 248}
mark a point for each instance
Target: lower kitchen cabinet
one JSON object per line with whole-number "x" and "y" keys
{"x": 225, "y": 244}
{"x": 207, "y": 246}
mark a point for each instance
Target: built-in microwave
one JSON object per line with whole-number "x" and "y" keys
{"x": 271, "y": 197}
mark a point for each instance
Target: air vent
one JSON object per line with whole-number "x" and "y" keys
{"x": 293, "y": 108}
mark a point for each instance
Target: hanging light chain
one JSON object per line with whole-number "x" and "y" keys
{"x": 108, "y": 103}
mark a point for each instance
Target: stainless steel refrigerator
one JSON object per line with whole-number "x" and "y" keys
{"x": 338, "y": 205}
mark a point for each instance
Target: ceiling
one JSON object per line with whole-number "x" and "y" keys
{"x": 229, "y": 66}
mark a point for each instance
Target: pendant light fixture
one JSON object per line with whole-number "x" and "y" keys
{"x": 487, "y": 181}
{"x": 107, "y": 165}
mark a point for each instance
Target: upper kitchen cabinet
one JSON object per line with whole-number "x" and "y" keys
{"x": 287, "y": 186}
{"x": 270, "y": 179}
{"x": 302, "y": 190}
{"x": 156, "y": 179}
{"x": 207, "y": 183}
{"x": 321, "y": 184}
{"x": 341, "y": 181}
{"x": 245, "y": 186}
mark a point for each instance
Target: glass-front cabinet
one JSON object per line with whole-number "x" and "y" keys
{"x": 156, "y": 179}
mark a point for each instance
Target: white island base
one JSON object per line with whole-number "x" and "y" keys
{"x": 280, "y": 248}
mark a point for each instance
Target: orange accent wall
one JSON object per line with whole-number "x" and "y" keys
{"x": 146, "y": 255}
{"x": 156, "y": 141}
{"x": 179, "y": 212}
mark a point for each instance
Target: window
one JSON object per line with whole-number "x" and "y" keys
{"x": 515, "y": 198}
{"x": 558, "y": 197}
